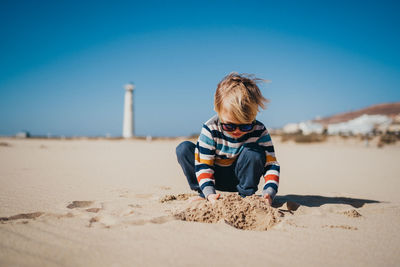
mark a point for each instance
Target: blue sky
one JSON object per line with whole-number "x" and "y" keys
{"x": 64, "y": 63}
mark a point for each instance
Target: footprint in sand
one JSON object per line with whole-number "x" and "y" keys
{"x": 156, "y": 220}
{"x": 162, "y": 219}
{"x": 108, "y": 220}
{"x": 5, "y": 144}
{"x": 168, "y": 198}
{"x": 83, "y": 204}
{"x": 93, "y": 220}
{"x": 29, "y": 216}
{"x": 79, "y": 204}
{"x": 94, "y": 210}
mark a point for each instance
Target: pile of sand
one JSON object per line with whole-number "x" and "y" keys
{"x": 352, "y": 213}
{"x": 250, "y": 213}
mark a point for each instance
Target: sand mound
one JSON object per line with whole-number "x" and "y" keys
{"x": 352, "y": 213}
{"x": 250, "y": 213}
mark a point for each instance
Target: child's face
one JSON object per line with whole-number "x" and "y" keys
{"x": 226, "y": 117}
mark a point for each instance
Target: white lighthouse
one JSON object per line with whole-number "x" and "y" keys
{"x": 128, "y": 130}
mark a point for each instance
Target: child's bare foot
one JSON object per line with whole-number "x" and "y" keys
{"x": 195, "y": 198}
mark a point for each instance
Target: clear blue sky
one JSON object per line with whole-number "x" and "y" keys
{"x": 64, "y": 63}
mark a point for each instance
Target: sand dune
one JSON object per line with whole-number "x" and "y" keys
{"x": 125, "y": 203}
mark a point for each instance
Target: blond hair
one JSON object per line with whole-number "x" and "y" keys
{"x": 240, "y": 95}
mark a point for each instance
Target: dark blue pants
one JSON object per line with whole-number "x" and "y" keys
{"x": 242, "y": 176}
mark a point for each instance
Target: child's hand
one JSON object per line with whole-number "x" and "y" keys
{"x": 268, "y": 198}
{"x": 213, "y": 197}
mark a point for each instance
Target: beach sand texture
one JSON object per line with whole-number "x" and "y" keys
{"x": 125, "y": 203}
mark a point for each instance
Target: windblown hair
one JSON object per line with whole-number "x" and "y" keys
{"x": 239, "y": 94}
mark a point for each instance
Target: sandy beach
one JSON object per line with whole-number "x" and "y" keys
{"x": 121, "y": 203}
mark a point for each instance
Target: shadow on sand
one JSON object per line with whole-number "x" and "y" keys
{"x": 317, "y": 201}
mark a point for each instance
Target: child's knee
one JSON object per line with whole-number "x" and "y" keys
{"x": 254, "y": 155}
{"x": 184, "y": 147}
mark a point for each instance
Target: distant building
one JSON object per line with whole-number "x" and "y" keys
{"x": 365, "y": 124}
{"x": 306, "y": 128}
{"x": 396, "y": 119}
{"x": 23, "y": 134}
{"x": 291, "y": 128}
{"x": 309, "y": 127}
{"x": 394, "y": 127}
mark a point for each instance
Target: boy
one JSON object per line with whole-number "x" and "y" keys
{"x": 234, "y": 149}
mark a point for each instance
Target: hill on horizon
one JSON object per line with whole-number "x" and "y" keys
{"x": 388, "y": 109}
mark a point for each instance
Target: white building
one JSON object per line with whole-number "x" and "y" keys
{"x": 291, "y": 128}
{"x": 364, "y": 124}
{"x": 23, "y": 134}
{"x": 306, "y": 127}
{"x": 309, "y": 127}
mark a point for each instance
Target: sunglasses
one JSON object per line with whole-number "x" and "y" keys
{"x": 230, "y": 127}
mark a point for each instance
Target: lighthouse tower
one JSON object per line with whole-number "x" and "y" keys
{"x": 128, "y": 130}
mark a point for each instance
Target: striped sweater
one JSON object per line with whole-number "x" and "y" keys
{"x": 215, "y": 148}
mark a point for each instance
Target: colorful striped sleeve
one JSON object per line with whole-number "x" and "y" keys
{"x": 272, "y": 167}
{"x": 204, "y": 161}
